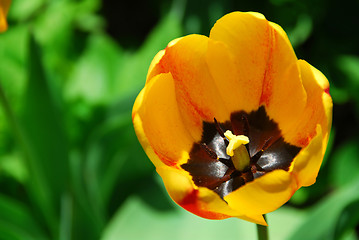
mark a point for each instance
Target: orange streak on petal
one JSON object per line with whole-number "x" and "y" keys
{"x": 192, "y": 204}
{"x": 283, "y": 93}
{"x": 196, "y": 92}
{"x": 169, "y": 162}
{"x": 182, "y": 190}
{"x": 246, "y": 36}
{"x": 268, "y": 81}
{"x": 304, "y": 141}
{"x": 327, "y": 91}
{"x": 317, "y": 109}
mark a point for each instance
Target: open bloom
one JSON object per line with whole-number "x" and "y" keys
{"x": 234, "y": 123}
{"x": 4, "y": 8}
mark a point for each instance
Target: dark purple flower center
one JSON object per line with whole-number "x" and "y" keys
{"x": 211, "y": 167}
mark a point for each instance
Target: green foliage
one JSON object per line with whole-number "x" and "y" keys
{"x": 71, "y": 166}
{"x": 323, "y": 217}
{"x": 174, "y": 225}
{"x": 347, "y": 220}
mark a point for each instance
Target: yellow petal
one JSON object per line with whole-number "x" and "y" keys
{"x": 257, "y": 219}
{"x": 200, "y": 201}
{"x": 239, "y": 90}
{"x": 266, "y": 66}
{"x": 328, "y": 108}
{"x": 264, "y": 194}
{"x": 240, "y": 55}
{"x": 154, "y": 70}
{"x": 158, "y": 123}
{"x": 177, "y": 182}
{"x": 180, "y": 187}
{"x": 155, "y": 66}
{"x": 283, "y": 92}
{"x": 307, "y": 163}
{"x": 197, "y": 93}
{"x": 318, "y": 109}
{"x": 210, "y": 201}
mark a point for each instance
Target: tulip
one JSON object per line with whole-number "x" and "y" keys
{"x": 234, "y": 123}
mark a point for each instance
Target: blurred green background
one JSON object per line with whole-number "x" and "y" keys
{"x": 70, "y": 164}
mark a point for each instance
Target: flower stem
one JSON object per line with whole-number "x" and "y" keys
{"x": 262, "y": 231}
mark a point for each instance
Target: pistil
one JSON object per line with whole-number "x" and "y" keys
{"x": 237, "y": 151}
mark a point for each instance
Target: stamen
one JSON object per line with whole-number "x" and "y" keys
{"x": 209, "y": 151}
{"x": 237, "y": 151}
{"x": 219, "y": 129}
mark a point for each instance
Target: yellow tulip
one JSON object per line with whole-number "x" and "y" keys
{"x": 234, "y": 123}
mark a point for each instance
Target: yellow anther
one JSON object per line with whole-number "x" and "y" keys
{"x": 237, "y": 150}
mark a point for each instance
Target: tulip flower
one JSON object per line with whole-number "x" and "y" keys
{"x": 234, "y": 123}
{"x": 4, "y": 8}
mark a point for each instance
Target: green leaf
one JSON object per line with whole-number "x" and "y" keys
{"x": 289, "y": 217}
{"x": 44, "y": 140}
{"x": 344, "y": 164}
{"x": 322, "y": 217}
{"x": 135, "y": 220}
{"x": 87, "y": 224}
{"x": 94, "y": 75}
{"x": 114, "y": 157}
{"x": 153, "y": 193}
{"x": 22, "y": 10}
{"x": 348, "y": 219}
{"x": 132, "y": 76}
{"x": 63, "y": 44}
{"x": 13, "y": 52}
{"x": 301, "y": 31}
{"x": 349, "y": 67}
{"x": 17, "y": 222}
{"x": 12, "y": 83}
{"x": 175, "y": 223}
{"x": 14, "y": 166}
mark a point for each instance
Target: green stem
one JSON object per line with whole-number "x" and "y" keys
{"x": 262, "y": 231}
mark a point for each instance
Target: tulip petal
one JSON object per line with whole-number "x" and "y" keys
{"x": 182, "y": 190}
{"x": 264, "y": 194}
{"x": 266, "y": 64}
{"x": 200, "y": 201}
{"x": 196, "y": 91}
{"x": 283, "y": 92}
{"x": 177, "y": 182}
{"x": 318, "y": 108}
{"x": 154, "y": 68}
{"x": 236, "y": 89}
{"x": 246, "y": 36}
{"x": 307, "y": 163}
{"x": 158, "y": 123}
{"x": 210, "y": 200}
